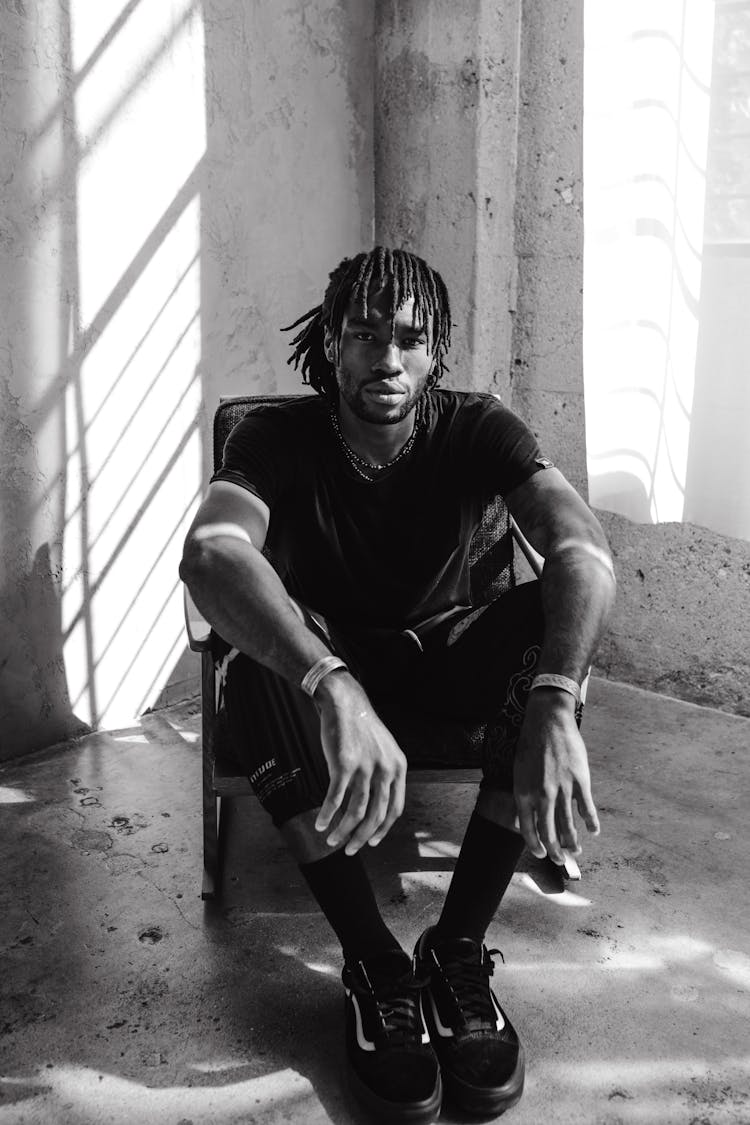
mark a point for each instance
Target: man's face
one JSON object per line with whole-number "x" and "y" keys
{"x": 384, "y": 363}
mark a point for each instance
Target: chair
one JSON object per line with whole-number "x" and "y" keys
{"x": 493, "y": 571}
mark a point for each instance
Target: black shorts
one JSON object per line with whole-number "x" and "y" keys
{"x": 447, "y": 699}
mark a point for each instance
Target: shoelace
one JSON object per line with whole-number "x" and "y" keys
{"x": 397, "y": 1004}
{"x": 467, "y": 979}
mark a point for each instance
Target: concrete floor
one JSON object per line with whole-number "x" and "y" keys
{"x": 125, "y": 1000}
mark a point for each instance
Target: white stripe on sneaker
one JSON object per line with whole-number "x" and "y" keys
{"x": 425, "y": 1032}
{"x": 443, "y": 1031}
{"x": 500, "y": 1021}
{"x": 363, "y": 1043}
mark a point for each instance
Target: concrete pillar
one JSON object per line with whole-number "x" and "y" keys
{"x": 547, "y": 343}
{"x": 446, "y": 81}
{"x": 289, "y": 177}
{"x": 36, "y": 274}
{"x": 478, "y": 111}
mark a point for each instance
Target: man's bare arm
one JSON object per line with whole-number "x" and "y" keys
{"x": 577, "y": 588}
{"x": 244, "y": 600}
{"x": 578, "y": 581}
{"x": 236, "y": 588}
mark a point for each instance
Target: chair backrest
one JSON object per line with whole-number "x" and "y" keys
{"x": 491, "y": 549}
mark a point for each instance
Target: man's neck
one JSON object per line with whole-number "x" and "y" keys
{"x": 376, "y": 442}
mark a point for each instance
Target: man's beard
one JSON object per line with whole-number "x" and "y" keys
{"x": 369, "y": 412}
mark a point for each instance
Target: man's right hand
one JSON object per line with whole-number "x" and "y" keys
{"x": 366, "y": 767}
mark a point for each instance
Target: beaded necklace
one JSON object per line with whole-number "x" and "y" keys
{"x": 359, "y": 463}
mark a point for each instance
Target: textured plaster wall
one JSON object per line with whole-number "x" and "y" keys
{"x": 271, "y": 108}
{"x": 478, "y": 145}
{"x": 287, "y": 191}
{"x": 35, "y": 229}
{"x": 547, "y": 367}
{"x": 478, "y": 167}
{"x": 454, "y": 129}
{"x": 721, "y": 400}
{"x": 681, "y": 624}
{"x": 289, "y": 176}
{"x": 445, "y": 162}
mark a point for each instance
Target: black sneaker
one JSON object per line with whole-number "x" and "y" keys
{"x": 392, "y": 1067}
{"x": 480, "y": 1056}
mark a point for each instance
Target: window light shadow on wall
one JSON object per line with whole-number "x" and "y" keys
{"x": 647, "y": 97}
{"x": 134, "y": 132}
{"x": 667, "y": 260}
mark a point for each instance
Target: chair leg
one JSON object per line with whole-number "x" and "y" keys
{"x": 211, "y": 856}
{"x": 211, "y": 865}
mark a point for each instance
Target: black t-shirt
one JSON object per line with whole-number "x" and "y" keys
{"x": 391, "y": 553}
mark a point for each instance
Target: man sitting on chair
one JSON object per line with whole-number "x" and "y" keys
{"x": 369, "y": 493}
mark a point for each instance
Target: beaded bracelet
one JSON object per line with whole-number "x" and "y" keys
{"x": 320, "y": 668}
{"x": 564, "y": 683}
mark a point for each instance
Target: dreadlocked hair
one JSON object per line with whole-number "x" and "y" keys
{"x": 402, "y": 275}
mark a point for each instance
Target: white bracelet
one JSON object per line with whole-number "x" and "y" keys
{"x": 320, "y": 668}
{"x": 564, "y": 683}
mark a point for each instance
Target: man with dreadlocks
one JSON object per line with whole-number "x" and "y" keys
{"x": 368, "y": 494}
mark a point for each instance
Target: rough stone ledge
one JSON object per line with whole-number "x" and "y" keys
{"x": 681, "y": 623}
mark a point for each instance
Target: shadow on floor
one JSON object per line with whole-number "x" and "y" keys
{"x": 124, "y": 999}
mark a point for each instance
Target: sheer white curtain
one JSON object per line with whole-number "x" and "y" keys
{"x": 667, "y": 260}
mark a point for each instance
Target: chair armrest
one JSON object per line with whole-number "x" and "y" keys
{"x": 198, "y": 629}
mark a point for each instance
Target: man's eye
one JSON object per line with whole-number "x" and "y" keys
{"x": 413, "y": 342}
{"x": 363, "y": 336}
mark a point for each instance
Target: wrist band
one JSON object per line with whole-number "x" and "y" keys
{"x": 564, "y": 683}
{"x": 320, "y": 668}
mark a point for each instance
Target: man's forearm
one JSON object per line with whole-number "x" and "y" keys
{"x": 578, "y": 588}
{"x": 244, "y": 600}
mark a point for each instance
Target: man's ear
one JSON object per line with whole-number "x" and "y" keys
{"x": 328, "y": 347}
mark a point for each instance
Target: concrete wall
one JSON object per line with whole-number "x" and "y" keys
{"x": 34, "y": 240}
{"x": 261, "y": 145}
{"x": 717, "y": 484}
{"x": 682, "y": 620}
{"x": 289, "y": 177}
{"x": 478, "y": 167}
{"x": 547, "y": 370}
{"x": 681, "y": 623}
{"x": 176, "y": 182}
{"x": 445, "y": 164}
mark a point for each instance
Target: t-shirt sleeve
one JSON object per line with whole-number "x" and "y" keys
{"x": 503, "y": 452}
{"x": 257, "y": 455}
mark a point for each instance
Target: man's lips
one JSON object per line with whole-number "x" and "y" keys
{"x": 382, "y": 388}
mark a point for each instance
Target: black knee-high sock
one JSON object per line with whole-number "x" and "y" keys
{"x": 342, "y": 890}
{"x": 485, "y": 865}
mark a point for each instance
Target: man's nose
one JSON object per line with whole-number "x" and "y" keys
{"x": 389, "y": 360}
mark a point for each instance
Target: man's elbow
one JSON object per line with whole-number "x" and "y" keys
{"x": 196, "y": 562}
{"x": 210, "y": 546}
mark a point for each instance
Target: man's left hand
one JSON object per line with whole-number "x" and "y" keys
{"x": 551, "y": 770}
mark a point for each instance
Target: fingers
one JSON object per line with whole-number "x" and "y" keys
{"x": 395, "y": 808}
{"x": 548, "y": 832}
{"x": 374, "y": 804}
{"x": 364, "y": 826}
{"x": 587, "y": 809}
{"x": 333, "y": 800}
{"x": 356, "y": 808}
{"x": 548, "y": 828}
{"x": 565, "y": 825}
{"x": 527, "y": 825}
